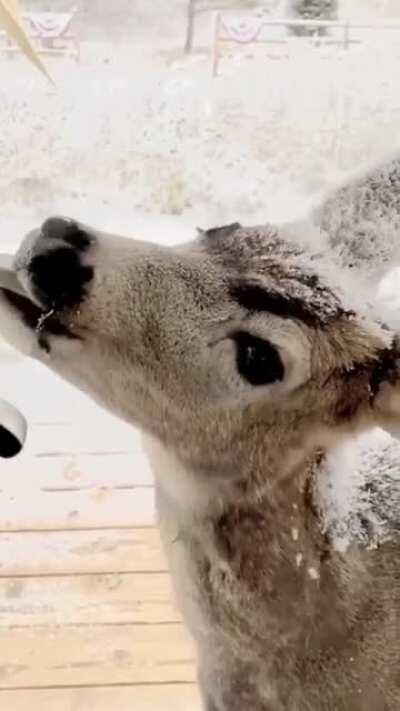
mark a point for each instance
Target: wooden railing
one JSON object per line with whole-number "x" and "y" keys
{"x": 51, "y": 33}
{"x": 251, "y": 29}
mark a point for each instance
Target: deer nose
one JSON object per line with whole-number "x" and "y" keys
{"x": 53, "y": 263}
{"x": 66, "y": 230}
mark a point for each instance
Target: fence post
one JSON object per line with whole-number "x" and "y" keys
{"x": 191, "y": 15}
{"x": 216, "y": 53}
{"x": 346, "y": 35}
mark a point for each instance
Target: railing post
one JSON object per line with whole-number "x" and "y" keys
{"x": 216, "y": 54}
{"x": 191, "y": 14}
{"x": 346, "y": 35}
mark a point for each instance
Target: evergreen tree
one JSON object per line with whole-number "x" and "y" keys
{"x": 314, "y": 10}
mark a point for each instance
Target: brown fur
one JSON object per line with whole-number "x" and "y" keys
{"x": 282, "y": 620}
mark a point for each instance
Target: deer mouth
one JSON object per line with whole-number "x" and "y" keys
{"x": 31, "y": 314}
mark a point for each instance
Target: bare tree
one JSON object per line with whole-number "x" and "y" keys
{"x": 191, "y": 13}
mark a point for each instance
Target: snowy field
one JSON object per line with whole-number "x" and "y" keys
{"x": 132, "y": 130}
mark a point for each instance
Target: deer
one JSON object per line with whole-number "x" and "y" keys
{"x": 249, "y": 360}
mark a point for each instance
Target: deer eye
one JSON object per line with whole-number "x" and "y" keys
{"x": 258, "y": 361}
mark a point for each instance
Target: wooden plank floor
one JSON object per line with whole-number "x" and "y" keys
{"x": 87, "y": 619}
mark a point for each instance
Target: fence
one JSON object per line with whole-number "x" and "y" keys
{"x": 51, "y": 33}
{"x": 242, "y": 29}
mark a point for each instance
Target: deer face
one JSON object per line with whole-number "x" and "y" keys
{"x": 205, "y": 346}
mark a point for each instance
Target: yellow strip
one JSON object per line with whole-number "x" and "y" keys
{"x": 10, "y": 19}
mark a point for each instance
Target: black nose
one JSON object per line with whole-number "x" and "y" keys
{"x": 66, "y": 230}
{"x": 54, "y": 258}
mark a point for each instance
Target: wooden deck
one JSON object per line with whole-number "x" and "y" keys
{"x": 87, "y": 621}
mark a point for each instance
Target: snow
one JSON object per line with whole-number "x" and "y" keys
{"x": 299, "y": 559}
{"x": 141, "y": 141}
{"x": 258, "y": 142}
{"x": 359, "y": 491}
{"x": 389, "y": 290}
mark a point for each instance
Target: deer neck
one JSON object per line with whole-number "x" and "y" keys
{"x": 278, "y": 497}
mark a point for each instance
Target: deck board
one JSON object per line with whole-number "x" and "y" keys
{"x": 37, "y": 553}
{"x": 95, "y": 654}
{"x": 105, "y": 507}
{"x": 86, "y": 599}
{"x": 87, "y": 618}
{"x": 59, "y": 470}
{"x": 163, "y": 697}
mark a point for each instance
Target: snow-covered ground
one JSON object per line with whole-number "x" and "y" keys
{"x": 131, "y": 129}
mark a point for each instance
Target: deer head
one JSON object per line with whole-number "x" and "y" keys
{"x": 235, "y": 346}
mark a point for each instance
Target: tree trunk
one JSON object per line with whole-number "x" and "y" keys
{"x": 191, "y": 14}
